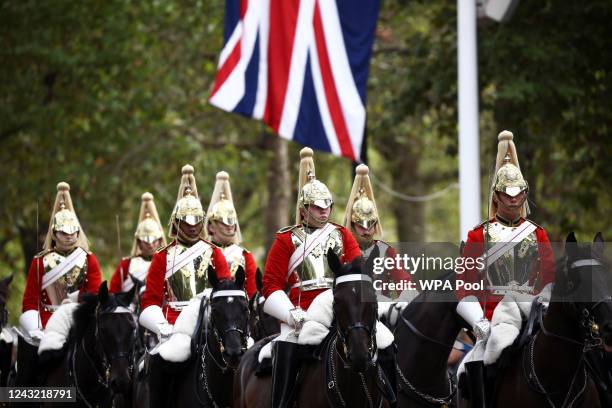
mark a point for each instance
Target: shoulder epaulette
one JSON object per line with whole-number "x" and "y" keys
{"x": 288, "y": 228}
{"x": 163, "y": 248}
{"x": 43, "y": 253}
{"x": 482, "y": 224}
{"x": 537, "y": 225}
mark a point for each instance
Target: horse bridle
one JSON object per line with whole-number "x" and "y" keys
{"x": 223, "y": 366}
{"x": 592, "y": 337}
{"x": 343, "y": 335}
{"x": 101, "y": 379}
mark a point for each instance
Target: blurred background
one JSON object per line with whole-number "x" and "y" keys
{"x": 110, "y": 96}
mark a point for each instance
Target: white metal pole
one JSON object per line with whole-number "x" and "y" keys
{"x": 469, "y": 153}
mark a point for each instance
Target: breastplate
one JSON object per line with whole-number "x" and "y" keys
{"x": 139, "y": 268}
{"x": 382, "y": 249}
{"x": 234, "y": 257}
{"x": 191, "y": 279}
{"x": 514, "y": 269}
{"x": 70, "y": 282}
{"x": 315, "y": 267}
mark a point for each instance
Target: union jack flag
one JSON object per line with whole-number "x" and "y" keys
{"x": 300, "y": 66}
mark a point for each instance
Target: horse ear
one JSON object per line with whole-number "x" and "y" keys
{"x": 571, "y": 246}
{"x": 259, "y": 279}
{"x": 368, "y": 268}
{"x": 461, "y": 247}
{"x": 598, "y": 246}
{"x": 125, "y": 298}
{"x": 212, "y": 277}
{"x": 239, "y": 277}
{"x": 333, "y": 261}
{"x": 103, "y": 293}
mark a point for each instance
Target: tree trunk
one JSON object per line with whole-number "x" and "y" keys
{"x": 29, "y": 246}
{"x": 409, "y": 216}
{"x": 279, "y": 189}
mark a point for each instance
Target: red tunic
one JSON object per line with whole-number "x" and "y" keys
{"x": 156, "y": 292}
{"x": 474, "y": 248}
{"x": 116, "y": 282}
{"x": 277, "y": 265}
{"x": 250, "y": 269}
{"x": 34, "y": 297}
{"x": 396, "y": 275}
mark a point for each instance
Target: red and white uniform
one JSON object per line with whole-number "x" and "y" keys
{"x": 121, "y": 280}
{"x": 395, "y": 275}
{"x": 540, "y": 273}
{"x": 83, "y": 277}
{"x": 237, "y": 256}
{"x": 185, "y": 283}
{"x": 276, "y": 277}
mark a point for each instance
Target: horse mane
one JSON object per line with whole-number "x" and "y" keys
{"x": 83, "y": 314}
{"x": 227, "y": 284}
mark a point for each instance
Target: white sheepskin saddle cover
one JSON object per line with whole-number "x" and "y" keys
{"x": 178, "y": 347}
{"x": 57, "y": 329}
{"x": 505, "y": 327}
{"x": 6, "y": 335}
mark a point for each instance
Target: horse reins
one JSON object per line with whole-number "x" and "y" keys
{"x": 592, "y": 339}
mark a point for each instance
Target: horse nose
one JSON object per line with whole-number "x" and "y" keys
{"x": 121, "y": 383}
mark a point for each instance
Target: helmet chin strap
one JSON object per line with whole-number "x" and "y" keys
{"x": 184, "y": 238}
{"x": 313, "y": 221}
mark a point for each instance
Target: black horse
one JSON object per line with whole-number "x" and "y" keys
{"x": 425, "y": 333}
{"x": 345, "y": 373}
{"x": 98, "y": 358}
{"x": 261, "y": 324}
{"x": 219, "y": 342}
{"x": 6, "y": 349}
{"x": 550, "y": 369}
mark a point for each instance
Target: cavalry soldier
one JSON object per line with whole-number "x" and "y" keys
{"x": 148, "y": 237}
{"x": 59, "y": 274}
{"x": 362, "y": 219}
{"x": 178, "y": 271}
{"x": 515, "y": 252}
{"x": 222, "y": 224}
{"x": 177, "y": 274}
{"x": 303, "y": 268}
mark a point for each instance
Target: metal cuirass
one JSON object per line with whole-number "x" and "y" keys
{"x": 70, "y": 282}
{"x": 139, "y": 267}
{"x": 514, "y": 269}
{"x": 314, "y": 272}
{"x": 192, "y": 278}
{"x": 234, "y": 257}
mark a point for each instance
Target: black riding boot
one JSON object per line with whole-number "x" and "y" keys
{"x": 386, "y": 360}
{"x": 158, "y": 382}
{"x": 285, "y": 368}
{"x": 27, "y": 365}
{"x": 476, "y": 383}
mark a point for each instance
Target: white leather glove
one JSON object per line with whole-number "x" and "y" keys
{"x": 36, "y": 335}
{"x": 297, "y": 317}
{"x": 470, "y": 310}
{"x": 165, "y": 331}
{"x": 30, "y": 321}
{"x": 152, "y": 318}
{"x": 482, "y": 329}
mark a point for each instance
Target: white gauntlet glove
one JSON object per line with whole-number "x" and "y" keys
{"x": 297, "y": 317}
{"x": 152, "y": 318}
{"x": 482, "y": 329}
{"x": 165, "y": 331}
{"x": 470, "y": 310}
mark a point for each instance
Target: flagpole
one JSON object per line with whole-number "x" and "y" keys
{"x": 469, "y": 150}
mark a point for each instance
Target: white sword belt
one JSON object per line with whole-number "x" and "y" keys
{"x": 314, "y": 284}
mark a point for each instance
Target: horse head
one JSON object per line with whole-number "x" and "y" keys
{"x": 229, "y": 316}
{"x": 116, "y": 331}
{"x": 584, "y": 286}
{"x": 4, "y": 294}
{"x": 355, "y": 309}
{"x": 261, "y": 323}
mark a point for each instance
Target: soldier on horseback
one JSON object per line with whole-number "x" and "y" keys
{"x": 516, "y": 253}
{"x": 59, "y": 274}
{"x": 224, "y": 231}
{"x": 178, "y": 274}
{"x": 148, "y": 237}
{"x": 297, "y": 260}
{"x": 362, "y": 219}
